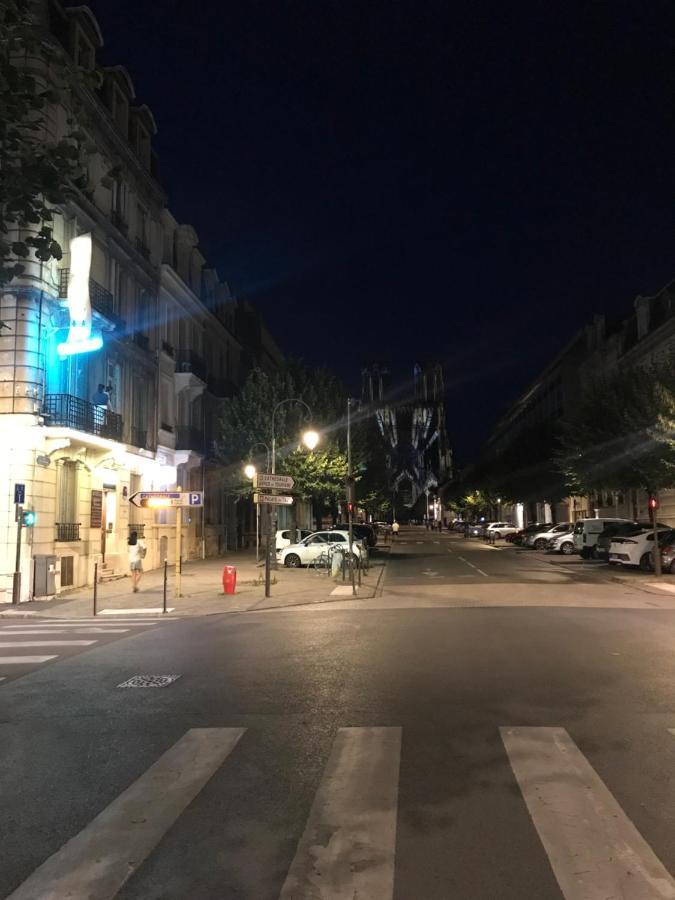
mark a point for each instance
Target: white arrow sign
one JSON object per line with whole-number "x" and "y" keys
{"x": 429, "y": 573}
{"x": 275, "y": 499}
{"x": 276, "y": 482}
{"x": 167, "y": 498}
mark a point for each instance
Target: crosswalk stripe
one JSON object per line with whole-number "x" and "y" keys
{"x": 18, "y": 645}
{"x": 23, "y": 660}
{"x": 26, "y": 631}
{"x": 102, "y": 857}
{"x": 83, "y": 624}
{"x": 594, "y": 849}
{"x": 348, "y": 847}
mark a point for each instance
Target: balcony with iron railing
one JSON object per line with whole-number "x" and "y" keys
{"x": 67, "y": 531}
{"x": 192, "y": 363}
{"x": 188, "y": 438}
{"x": 142, "y": 248}
{"x": 139, "y": 437}
{"x": 73, "y": 412}
{"x": 101, "y": 299}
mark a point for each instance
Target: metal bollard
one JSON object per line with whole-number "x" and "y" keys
{"x": 95, "y": 588}
{"x": 358, "y": 569}
{"x": 166, "y": 567}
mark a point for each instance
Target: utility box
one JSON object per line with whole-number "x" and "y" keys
{"x": 44, "y": 582}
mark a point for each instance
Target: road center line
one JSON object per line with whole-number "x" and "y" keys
{"x": 348, "y": 847}
{"x": 594, "y": 849}
{"x": 485, "y": 574}
{"x": 104, "y": 855}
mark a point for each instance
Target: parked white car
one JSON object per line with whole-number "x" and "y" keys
{"x": 587, "y": 532}
{"x": 310, "y": 549}
{"x": 562, "y": 542}
{"x": 540, "y": 539}
{"x": 500, "y": 529}
{"x": 284, "y": 537}
{"x": 634, "y": 549}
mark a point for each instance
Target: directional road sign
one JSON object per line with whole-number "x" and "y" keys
{"x": 167, "y": 498}
{"x": 274, "y": 499}
{"x": 276, "y": 482}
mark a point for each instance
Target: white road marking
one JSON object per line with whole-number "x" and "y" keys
{"x": 419, "y": 542}
{"x": 342, "y": 589}
{"x": 79, "y": 624}
{"x": 149, "y": 611}
{"x": 348, "y": 847}
{"x": 23, "y": 660}
{"x": 104, "y": 855}
{"x": 18, "y": 645}
{"x": 67, "y": 630}
{"x": 661, "y": 587}
{"x": 594, "y": 849}
{"x": 473, "y": 567}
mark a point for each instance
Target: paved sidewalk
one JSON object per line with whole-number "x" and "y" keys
{"x": 202, "y": 590}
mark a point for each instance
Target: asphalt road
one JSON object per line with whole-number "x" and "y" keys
{"x": 455, "y": 752}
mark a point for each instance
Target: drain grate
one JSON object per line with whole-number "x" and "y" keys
{"x": 148, "y": 681}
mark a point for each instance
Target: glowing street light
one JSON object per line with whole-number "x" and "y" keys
{"x": 310, "y": 439}
{"x": 250, "y": 471}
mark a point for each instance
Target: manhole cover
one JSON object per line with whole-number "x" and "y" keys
{"x": 148, "y": 681}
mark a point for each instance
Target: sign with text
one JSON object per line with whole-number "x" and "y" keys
{"x": 274, "y": 499}
{"x": 274, "y": 482}
{"x": 19, "y": 493}
{"x": 163, "y": 499}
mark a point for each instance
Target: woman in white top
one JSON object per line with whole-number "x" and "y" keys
{"x": 137, "y": 552}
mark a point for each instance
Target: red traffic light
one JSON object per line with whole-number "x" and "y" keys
{"x": 350, "y": 507}
{"x": 653, "y": 503}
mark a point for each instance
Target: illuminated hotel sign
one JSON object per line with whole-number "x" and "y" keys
{"x": 80, "y": 339}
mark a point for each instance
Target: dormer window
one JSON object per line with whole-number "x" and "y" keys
{"x": 120, "y": 111}
{"x": 143, "y": 146}
{"x": 85, "y": 57}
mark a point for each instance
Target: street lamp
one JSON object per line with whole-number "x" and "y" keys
{"x": 310, "y": 439}
{"x": 249, "y": 471}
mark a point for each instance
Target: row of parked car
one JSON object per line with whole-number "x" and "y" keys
{"x": 622, "y": 542}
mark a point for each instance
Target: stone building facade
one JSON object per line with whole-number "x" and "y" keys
{"x": 168, "y": 342}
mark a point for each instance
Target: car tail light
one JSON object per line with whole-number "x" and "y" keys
{"x": 667, "y": 549}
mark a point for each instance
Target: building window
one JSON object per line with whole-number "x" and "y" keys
{"x": 67, "y": 493}
{"x": 121, "y": 111}
{"x": 84, "y": 52}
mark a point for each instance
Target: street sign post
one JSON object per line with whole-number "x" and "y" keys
{"x": 19, "y": 493}
{"x": 273, "y": 482}
{"x": 273, "y": 499}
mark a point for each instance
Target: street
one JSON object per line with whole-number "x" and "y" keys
{"x": 493, "y": 724}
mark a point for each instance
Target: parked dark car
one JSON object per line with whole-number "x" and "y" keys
{"x": 618, "y": 529}
{"x": 530, "y": 529}
{"x": 360, "y": 531}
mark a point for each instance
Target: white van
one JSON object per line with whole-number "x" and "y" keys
{"x": 587, "y": 531}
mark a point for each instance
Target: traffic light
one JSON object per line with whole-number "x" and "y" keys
{"x": 28, "y": 518}
{"x": 653, "y": 503}
{"x": 350, "y": 507}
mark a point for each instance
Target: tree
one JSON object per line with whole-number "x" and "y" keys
{"x": 246, "y": 420}
{"x": 622, "y": 434}
{"x": 38, "y": 172}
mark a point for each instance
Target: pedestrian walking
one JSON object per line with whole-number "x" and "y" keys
{"x": 394, "y": 529}
{"x": 137, "y": 551}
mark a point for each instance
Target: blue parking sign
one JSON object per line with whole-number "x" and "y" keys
{"x": 19, "y": 493}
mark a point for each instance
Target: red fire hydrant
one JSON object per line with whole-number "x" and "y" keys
{"x": 229, "y": 579}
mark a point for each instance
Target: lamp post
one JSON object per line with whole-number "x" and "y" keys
{"x": 310, "y": 439}
{"x": 250, "y": 472}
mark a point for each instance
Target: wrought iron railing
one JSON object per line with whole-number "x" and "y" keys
{"x": 73, "y": 412}
{"x": 189, "y": 439}
{"x": 189, "y": 361}
{"x": 67, "y": 531}
{"x": 142, "y": 248}
{"x": 101, "y": 299}
{"x": 119, "y": 222}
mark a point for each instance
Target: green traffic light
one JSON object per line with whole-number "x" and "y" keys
{"x": 28, "y": 518}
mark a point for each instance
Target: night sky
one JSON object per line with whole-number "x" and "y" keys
{"x": 404, "y": 182}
